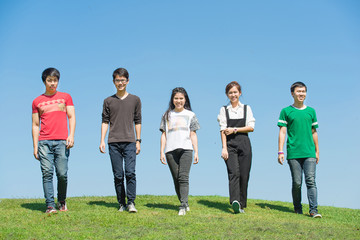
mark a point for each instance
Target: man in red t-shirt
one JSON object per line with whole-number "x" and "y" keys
{"x": 52, "y": 143}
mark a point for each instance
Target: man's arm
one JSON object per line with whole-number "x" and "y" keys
{"x": 316, "y": 142}
{"x": 35, "y": 133}
{"x": 138, "y": 136}
{"x": 282, "y": 135}
{"x": 70, "y": 110}
{"x": 104, "y": 128}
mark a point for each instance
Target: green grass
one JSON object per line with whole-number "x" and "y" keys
{"x": 210, "y": 218}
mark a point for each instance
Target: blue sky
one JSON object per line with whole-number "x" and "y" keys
{"x": 201, "y": 46}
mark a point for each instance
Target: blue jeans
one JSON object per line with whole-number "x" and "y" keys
{"x": 53, "y": 153}
{"x": 308, "y": 167}
{"x": 124, "y": 153}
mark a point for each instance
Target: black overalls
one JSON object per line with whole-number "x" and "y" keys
{"x": 239, "y": 162}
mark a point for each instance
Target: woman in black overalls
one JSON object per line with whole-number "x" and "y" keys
{"x": 236, "y": 120}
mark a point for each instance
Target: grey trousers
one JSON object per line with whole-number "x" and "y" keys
{"x": 179, "y": 161}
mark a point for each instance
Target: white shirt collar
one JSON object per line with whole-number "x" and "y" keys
{"x": 299, "y": 108}
{"x": 235, "y": 108}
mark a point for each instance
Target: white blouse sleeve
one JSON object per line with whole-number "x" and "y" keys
{"x": 250, "y": 120}
{"x": 222, "y": 119}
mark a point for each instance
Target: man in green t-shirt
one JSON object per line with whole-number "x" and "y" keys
{"x": 300, "y": 123}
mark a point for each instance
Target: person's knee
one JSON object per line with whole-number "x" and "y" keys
{"x": 310, "y": 182}
{"x": 236, "y": 174}
{"x": 183, "y": 178}
{"x": 130, "y": 175}
{"x": 296, "y": 184}
{"x": 62, "y": 177}
{"x": 47, "y": 175}
{"x": 118, "y": 179}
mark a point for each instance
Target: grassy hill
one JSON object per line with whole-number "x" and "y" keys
{"x": 210, "y": 218}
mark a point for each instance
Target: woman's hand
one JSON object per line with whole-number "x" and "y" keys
{"x": 228, "y": 131}
{"x": 196, "y": 158}
{"x": 224, "y": 154}
{"x": 162, "y": 158}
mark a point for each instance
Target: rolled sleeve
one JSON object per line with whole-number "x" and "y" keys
{"x": 250, "y": 120}
{"x": 222, "y": 119}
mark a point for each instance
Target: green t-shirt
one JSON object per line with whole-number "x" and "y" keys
{"x": 299, "y": 124}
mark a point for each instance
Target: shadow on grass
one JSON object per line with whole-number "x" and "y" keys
{"x": 218, "y": 205}
{"x": 105, "y": 204}
{"x": 275, "y": 207}
{"x": 162, "y": 205}
{"x": 34, "y": 206}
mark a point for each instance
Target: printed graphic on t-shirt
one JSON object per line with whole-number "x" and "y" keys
{"x": 180, "y": 122}
{"x": 52, "y": 106}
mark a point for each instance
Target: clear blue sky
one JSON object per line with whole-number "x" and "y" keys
{"x": 201, "y": 46}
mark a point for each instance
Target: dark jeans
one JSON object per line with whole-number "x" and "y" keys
{"x": 308, "y": 167}
{"x": 53, "y": 153}
{"x": 124, "y": 153}
{"x": 238, "y": 166}
{"x": 179, "y": 162}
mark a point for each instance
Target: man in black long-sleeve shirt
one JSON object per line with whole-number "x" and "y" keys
{"x": 122, "y": 111}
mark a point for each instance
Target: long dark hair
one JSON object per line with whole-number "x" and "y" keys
{"x": 187, "y": 104}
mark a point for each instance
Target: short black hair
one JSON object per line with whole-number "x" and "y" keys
{"x": 121, "y": 72}
{"x": 297, "y": 84}
{"x": 52, "y": 72}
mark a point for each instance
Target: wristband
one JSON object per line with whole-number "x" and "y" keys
{"x": 280, "y": 153}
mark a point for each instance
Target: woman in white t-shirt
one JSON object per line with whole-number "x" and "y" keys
{"x": 236, "y": 121}
{"x": 178, "y": 141}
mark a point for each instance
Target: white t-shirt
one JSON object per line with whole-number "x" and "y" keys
{"x": 177, "y": 129}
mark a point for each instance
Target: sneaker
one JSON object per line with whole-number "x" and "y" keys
{"x": 236, "y": 206}
{"x": 242, "y": 210}
{"x": 50, "y": 210}
{"x": 122, "y": 208}
{"x": 187, "y": 208}
{"x": 131, "y": 208}
{"x": 315, "y": 215}
{"x": 62, "y": 206}
{"x": 182, "y": 211}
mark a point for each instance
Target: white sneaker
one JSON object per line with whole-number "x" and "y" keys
{"x": 315, "y": 215}
{"x": 187, "y": 208}
{"x": 131, "y": 208}
{"x": 182, "y": 211}
{"x": 122, "y": 208}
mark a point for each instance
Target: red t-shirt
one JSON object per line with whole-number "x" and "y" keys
{"x": 53, "y": 116}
